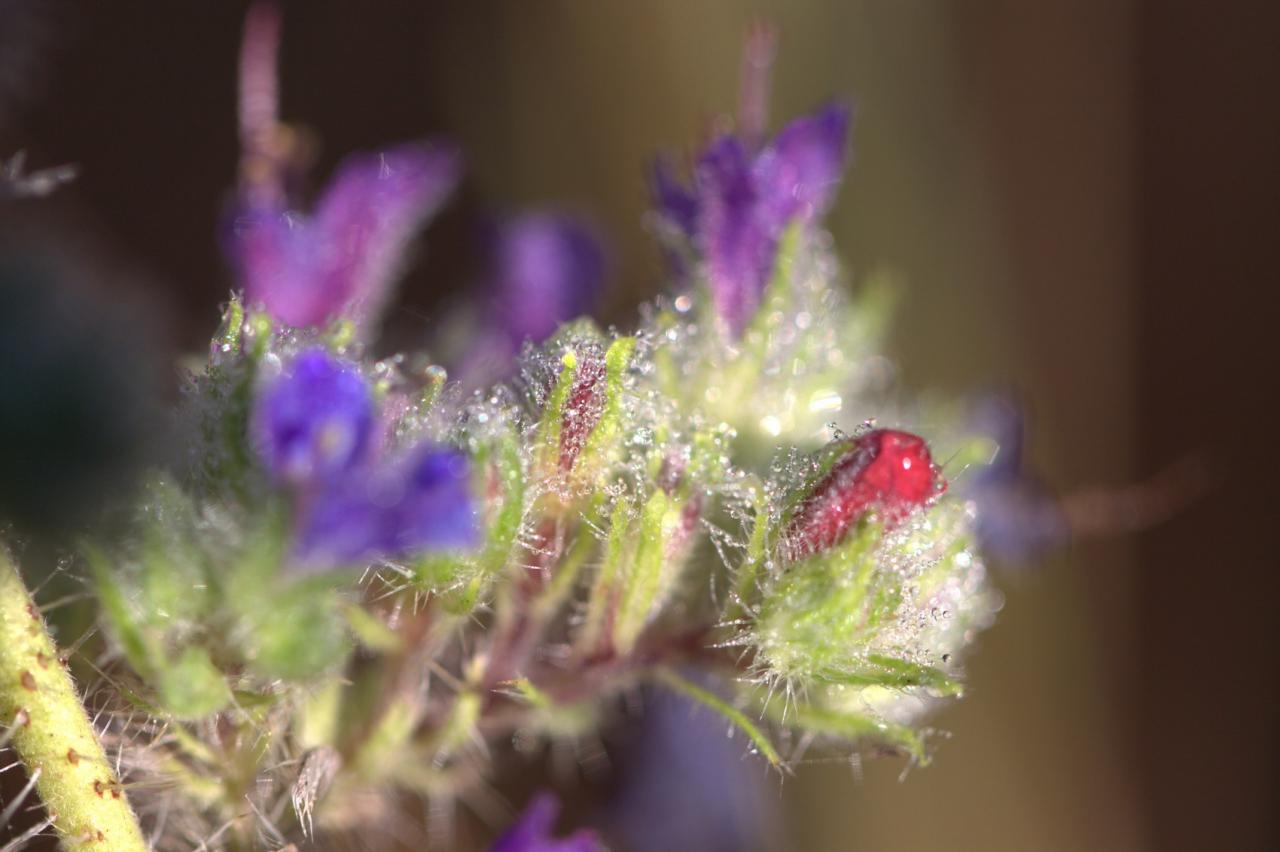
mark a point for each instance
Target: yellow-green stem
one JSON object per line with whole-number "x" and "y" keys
{"x": 51, "y": 731}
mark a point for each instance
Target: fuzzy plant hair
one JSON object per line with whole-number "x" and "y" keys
{"x": 362, "y": 572}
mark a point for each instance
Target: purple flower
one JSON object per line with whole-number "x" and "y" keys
{"x": 340, "y": 261}
{"x": 313, "y": 423}
{"x": 742, "y": 201}
{"x": 416, "y": 505}
{"x": 1018, "y": 519}
{"x": 548, "y": 268}
{"x": 313, "y": 429}
{"x": 682, "y": 785}
{"x": 533, "y": 832}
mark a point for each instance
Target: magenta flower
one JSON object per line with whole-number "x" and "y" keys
{"x": 742, "y": 201}
{"x": 532, "y": 833}
{"x": 341, "y": 260}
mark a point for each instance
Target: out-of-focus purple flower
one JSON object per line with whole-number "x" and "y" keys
{"x": 742, "y": 201}
{"x": 682, "y": 784}
{"x": 420, "y": 504}
{"x": 312, "y": 423}
{"x": 340, "y": 261}
{"x": 1018, "y": 519}
{"x": 676, "y": 203}
{"x": 548, "y": 268}
{"x": 532, "y": 833}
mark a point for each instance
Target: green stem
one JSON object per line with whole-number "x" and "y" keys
{"x": 709, "y": 699}
{"x": 51, "y": 733}
{"x": 748, "y": 575}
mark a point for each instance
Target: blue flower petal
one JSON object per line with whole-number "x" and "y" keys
{"x": 313, "y": 423}
{"x": 417, "y": 506}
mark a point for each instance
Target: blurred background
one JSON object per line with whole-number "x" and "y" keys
{"x": 1081, "y": 198}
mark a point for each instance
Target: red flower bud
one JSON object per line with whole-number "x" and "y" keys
{"x": 582, "y": 409}
{"x": 884, "y": 471}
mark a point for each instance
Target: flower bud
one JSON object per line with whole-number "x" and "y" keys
{"x": 884, "y": 471}
{"x": 582, "y": 409}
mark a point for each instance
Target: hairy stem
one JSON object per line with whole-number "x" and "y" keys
{"x": 50, "y": 731}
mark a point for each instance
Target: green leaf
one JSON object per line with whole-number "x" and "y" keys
{"x": 370, "y": 631}
{"x": 553, "y": 414}
{"x": 643, "y": 581}
{"x": 530, "y": 693}
{"x": 892, "y": 673}
{"x": 856, "y": 726}
{"x": 504, "y": 456}
{"x": 439, "y": 572}
{"x": 191, "y": 687}
{"x": 320, "y": 716}
{"x": 228, "y": 334}
{"x": 121, "y": 618}
{"x": 604, "y": 591}
{"x": 816, "y": 617}
{"x": 570, "y": 566}
{"x": 604, "y": 437}
{"x": 463, "y": 599}
{"x": 749, "y": 571}
{"x": 296, "y": 634}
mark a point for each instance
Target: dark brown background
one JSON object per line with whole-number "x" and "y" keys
{"x": 1083, "y": 199}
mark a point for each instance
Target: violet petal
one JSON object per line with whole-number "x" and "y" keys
{"x": 549, "y": 268}
{"x": 417, "y": 506}
{"x": 532, "y": 833}
{"x": 373, "y": 206}
{"x": 313, "y": 422}
{"x": 736, "y": 243}
{"x": 799, "y": 172}
{"x": 308, "y": 271}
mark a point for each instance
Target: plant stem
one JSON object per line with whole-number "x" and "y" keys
{"x": 709, "y": 699}
{"x": 51, "y": 733}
